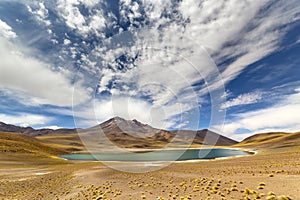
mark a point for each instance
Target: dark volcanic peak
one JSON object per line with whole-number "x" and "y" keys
{"x": 118, "y": 129}
{"x": 117, "y": 118}
{"x": 130, "y": 127}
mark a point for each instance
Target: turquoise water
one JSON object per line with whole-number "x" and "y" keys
{"x": 163, "y": 155}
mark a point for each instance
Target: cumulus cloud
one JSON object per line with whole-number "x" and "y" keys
{"x": 85, "y": 25}
{"x": 25, "y": 120}
{"x": 243, "y": 99}
{"x": 6, "y": 31}
{"x": 41, "y": 13}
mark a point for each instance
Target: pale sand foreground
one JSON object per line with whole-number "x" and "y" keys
{"x": 262, "y": 176}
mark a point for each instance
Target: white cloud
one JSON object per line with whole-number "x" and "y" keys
{"x": 74, "y": 19}
{"x": 25, "y": 120}
{"x": 23, "y": 73}
{"x": 54, "y": 127}
{"x": 243, "y": 99}
{"x": 129, "y": 11}
{"x": 41, "y": 13}
{"x": 282, "y": 116}
{"x": 164, "y": 76}
{"x": 244, "y": 30}
{"x": 6, "y": 31}
{"x": 252, "y": 37}
{"x": 70, "y": 12}
{"x": 261, "y": 40}
{"x": 89, "y": 3}
{"x": 126, "y": 107}
{"x": 228, "y": 29}
{"x": 67, "y": 42}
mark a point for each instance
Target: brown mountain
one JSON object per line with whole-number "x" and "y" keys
{"x": 32, "y": 132}
{"x": 132, "y": 133}
{"x": 124, "y": 133}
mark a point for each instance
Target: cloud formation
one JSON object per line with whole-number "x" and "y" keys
{"x": 25, "y": 120}
{"x": 34, "y": 78}
{"x": 172, "y": 61}
{"x": 281, "y": 116}
{"x": 243, "y": 99}
{"x": 6, "y": 31}
{"x": 41, "y": 13}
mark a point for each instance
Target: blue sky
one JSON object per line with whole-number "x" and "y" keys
{"x": 231, "y": 66}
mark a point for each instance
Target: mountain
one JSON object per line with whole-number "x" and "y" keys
{"x": 272, "y": 140}
{"x": 206, "y": 137}
{"x": 132, "y": 133}
{"x": 124, "y": 133}
{"x": 132, "y": 127}
{"x": 32, "y": 132}
{"x": 14, "y": 129}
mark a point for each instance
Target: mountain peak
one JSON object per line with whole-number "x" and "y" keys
{"x": 130, "y": 127}
{"x": 117, "y": 118}
{"x": 120, "y": 119}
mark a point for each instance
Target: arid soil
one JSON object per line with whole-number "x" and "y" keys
{"x": 268, "y": 175}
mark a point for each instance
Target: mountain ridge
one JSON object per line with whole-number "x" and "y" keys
{"x": 31, "y": 131}
{"x": 131, "y": 133}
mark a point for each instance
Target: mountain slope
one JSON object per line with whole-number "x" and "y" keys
{"x": 19, "y": 143}
{"x": 206, "y": 137}
{"x": 272, "y": 140}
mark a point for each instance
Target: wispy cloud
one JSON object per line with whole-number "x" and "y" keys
{"x": 243, "y": 99}
{"x": 157, "y": 68}
{"x": 34, "y": 78}
{"x": 281, "y": 116}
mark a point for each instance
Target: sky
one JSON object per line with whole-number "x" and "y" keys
{"x": 230, "y": 66}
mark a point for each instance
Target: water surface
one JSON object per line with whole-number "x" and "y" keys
{"x": 162, "y": 155}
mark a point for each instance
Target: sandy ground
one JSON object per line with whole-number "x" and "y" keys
{"x": 266, "y": 175}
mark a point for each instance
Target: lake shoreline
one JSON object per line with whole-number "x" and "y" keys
{"x": 93, "y": 155}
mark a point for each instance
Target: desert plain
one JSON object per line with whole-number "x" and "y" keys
{"x": 31, "y": 169}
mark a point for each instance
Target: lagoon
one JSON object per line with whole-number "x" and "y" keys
{"x": 161, "y": 155}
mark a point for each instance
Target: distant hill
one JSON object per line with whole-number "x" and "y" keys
{"x": 124, "y": 133}
{"x": 273, "y": 140}
{"x": 33, "y": 132}
{"x": 20, "y": 143}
